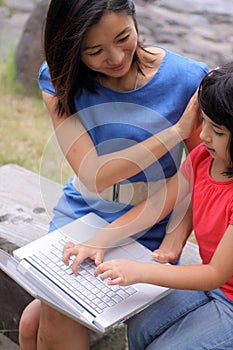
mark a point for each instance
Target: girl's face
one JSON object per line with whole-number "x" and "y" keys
{"x": 109, "y": 45}
{"x": 216, "y": 139}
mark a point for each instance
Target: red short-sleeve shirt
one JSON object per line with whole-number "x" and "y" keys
{"x": 212, "y": 203}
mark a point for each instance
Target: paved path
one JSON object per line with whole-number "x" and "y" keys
{"x": 7, "y": 344}
{"x": 199, "y": 29}
{"x": 214, "y": 6}
{"x": 13, "y": 16}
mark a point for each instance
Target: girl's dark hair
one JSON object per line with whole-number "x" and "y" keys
{"x": 67, "y": 23}
{"x": 216, "y": 100}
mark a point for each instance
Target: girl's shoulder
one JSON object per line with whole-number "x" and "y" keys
{"x": 196, "y": 158}
{"x": 198, "y": 155}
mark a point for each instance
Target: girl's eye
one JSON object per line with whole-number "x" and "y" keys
{"x": 124, "y": 39}
{"x": 218, "y": 133}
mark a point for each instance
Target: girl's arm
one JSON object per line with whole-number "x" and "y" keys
{"x": 195, "y": 277}
{"x": 99, "y": 172}
{"x": 137, "y": 219}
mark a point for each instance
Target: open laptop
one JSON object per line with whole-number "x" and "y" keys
{"x": 38, "y": 268}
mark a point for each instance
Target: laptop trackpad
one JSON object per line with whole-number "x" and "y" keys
{"x": 132, "y": 250}
{"x": 138, "y": 252}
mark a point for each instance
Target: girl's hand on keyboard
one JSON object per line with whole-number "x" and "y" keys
{"x": 120, "y": 271}
{"x": 81, "y": 252}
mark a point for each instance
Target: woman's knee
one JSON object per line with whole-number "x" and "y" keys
{"x": 29, "y": 322}
{"x": 51, "y": 318}
{"x": 53, "y": 326}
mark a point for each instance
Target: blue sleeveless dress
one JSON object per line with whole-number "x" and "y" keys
{"x": 116, "y": 120}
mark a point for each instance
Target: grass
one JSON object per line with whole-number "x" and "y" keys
{"x": 5, "y": 331}
{"x": 25, "y": 128}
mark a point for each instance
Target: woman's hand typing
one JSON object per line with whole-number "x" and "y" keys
{"x": 81, "y": 252}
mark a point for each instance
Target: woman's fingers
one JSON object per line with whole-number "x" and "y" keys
{"x": 190, "y": 120}
{"x": 80, "y": 257}
{"x": 81, "y": 252}
{"x": 68, "y": 251}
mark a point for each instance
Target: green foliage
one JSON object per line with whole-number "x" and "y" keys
{"x": 8, "y": 77}
{"x": 26, "y": 131}
{"x": 4, "y": 331}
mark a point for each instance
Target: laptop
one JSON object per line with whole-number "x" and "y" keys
{"x": 38, "y": 268}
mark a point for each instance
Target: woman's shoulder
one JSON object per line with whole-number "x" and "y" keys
{"x": 172, "y": 66}
{"x": 177, "y": 60}
{"x": 44, "y": 79}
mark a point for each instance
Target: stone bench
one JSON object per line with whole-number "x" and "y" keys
{"x": 25, "y": 211}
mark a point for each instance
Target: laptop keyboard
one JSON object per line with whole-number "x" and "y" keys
{"x": 93, "y": 293}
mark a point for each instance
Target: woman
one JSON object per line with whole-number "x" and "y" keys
{"x": 124, "y": 94}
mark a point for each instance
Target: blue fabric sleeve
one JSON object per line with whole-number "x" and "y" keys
{"x": 44, "y": 79}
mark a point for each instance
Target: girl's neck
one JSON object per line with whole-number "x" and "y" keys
{"x": 217, "y": 171}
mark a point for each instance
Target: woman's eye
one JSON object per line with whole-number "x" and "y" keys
{"x": 95, "y": 53}
{"x": 124, "y": 39}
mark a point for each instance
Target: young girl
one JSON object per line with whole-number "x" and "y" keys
{"x": 199, "y": 314}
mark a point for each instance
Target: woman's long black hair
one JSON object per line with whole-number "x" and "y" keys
{"x": 67, "y": 23}
{"x": 216, "y": 100}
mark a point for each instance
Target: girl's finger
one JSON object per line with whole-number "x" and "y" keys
{"x": 101, "y": 268}
{"x": 115, "y": 281}
{"x": 106, "y": 274}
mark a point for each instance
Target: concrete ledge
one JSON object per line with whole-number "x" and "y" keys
{"x": 7, "y": 344}
{"x": 190, "y": 254}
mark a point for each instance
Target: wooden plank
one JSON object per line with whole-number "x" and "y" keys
{"x": 26, "y": 202}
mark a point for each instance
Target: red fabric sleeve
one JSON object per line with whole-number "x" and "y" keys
{"x": 231, "y": 217}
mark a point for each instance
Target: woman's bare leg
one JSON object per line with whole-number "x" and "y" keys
{"x": 28, "y": 326}
{"x": 43, "y": 328}
{"x": 58, "y": 332}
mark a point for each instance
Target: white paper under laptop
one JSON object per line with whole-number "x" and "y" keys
{"x": 91, "y": 301}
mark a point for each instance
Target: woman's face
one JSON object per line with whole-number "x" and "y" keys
{"x": 109, "y": 45}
